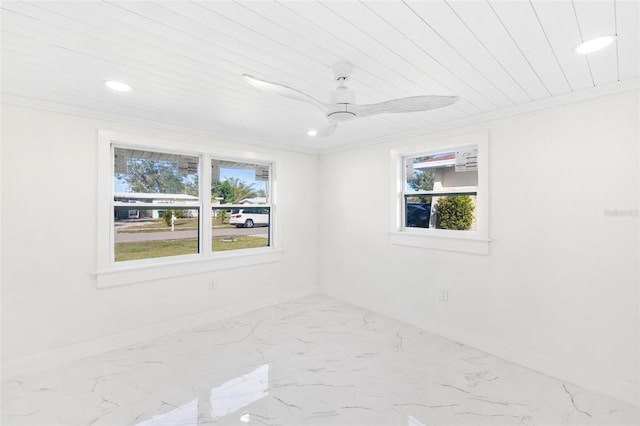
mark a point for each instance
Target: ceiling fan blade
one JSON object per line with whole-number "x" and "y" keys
{"x": 410, "y": 104}
{"x": 282, "y": 90}
{"x": 327, "y": 130}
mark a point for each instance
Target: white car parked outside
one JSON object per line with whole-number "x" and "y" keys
{"x": 250, "y": 217}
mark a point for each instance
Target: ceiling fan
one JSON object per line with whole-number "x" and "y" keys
{"x": 342, "y": 106}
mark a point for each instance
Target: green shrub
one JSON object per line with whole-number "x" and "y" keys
{"x": 179, "y": 214}
{"x": 455, "y": 212}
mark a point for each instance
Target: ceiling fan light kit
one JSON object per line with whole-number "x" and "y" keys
{"x": 342, "y": 101}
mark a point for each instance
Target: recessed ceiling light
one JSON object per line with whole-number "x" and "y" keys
{"x": 594, "y": 44}
{"x": 118, "y": 86}
{"x": 312, "y": 132}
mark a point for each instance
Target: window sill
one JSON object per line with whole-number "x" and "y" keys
{"x": 462, "y": 244}
{"x": 128, "y": 274}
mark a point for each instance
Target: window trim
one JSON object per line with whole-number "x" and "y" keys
{"x": 109, "y": 273}
{"x": 476, "y": 242}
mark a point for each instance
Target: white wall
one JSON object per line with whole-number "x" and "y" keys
{"x": 559, "y": 290}
{"x": 49, "y": 296}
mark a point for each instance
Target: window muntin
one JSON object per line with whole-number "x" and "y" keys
{"x": 440, "y": 189}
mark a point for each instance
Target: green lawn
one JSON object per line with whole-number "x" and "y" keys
{"x": 239, "y": 242}
{"x": 151, "y": 249}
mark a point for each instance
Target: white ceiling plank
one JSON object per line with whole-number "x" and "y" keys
{"x": 220, "y": 20}
{"x": 520, "y": 21}
{"x": 130, "y": 49}
{"x": 628, "y": 23}
{"x": 481, "y": 19}
{"x": 220, "y": 60}
{"x": 259, "y": 28}
{"x": 423, "y": 40}
{"x": 139, "y": 73}
{"x": 229, "y": 48}
{"x": 558, "y": 21}
{"x": 597, "y": 18}
{"x": 375, "y": 56}
{"x": 442, "y": 19}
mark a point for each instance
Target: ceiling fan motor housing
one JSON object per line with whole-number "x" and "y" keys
{"x": 342, "y": 95}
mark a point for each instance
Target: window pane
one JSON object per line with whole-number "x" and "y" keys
{"x": 240, "y": 228}
{"x": 149, "y": 176}
{"x": 236, "y": 227}
{"x": 146, "y": 233}
{"x": 454, "y": 212}
{"x": 417, "y": 212}
{"x": 441, "y": 172}
{"x": 234, "y": 182}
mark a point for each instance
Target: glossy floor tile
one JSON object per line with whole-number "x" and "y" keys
{"x": 313, "y": 361}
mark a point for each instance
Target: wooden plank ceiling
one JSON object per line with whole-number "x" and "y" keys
{"x": 184, "y": 60}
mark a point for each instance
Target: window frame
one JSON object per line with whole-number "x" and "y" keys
{"x": 475, "y": 242}
{"x": 110, "y": 273}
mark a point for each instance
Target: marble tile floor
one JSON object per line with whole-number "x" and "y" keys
{"x": 312, "y": 361}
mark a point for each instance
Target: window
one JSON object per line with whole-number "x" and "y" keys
{"x": 440, "y": 189}
{"x": 178, "y": 211}
{"x": 442, "y": 193}
{"x": 164, "y": 188}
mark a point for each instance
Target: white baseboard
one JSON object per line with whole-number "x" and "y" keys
{"x": 78, "y": 351}
{"x": 597, "y": 382}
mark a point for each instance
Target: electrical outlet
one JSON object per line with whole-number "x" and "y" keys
{"x": 213, "y": 285}
{"x": 444, "y": 295}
